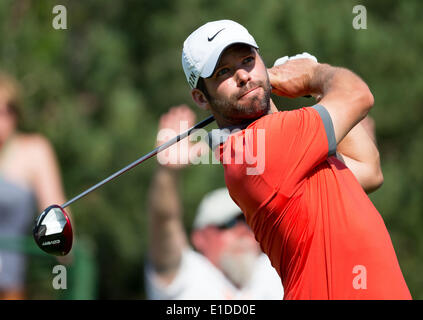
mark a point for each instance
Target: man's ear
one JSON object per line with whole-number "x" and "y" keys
{"x": 200, "y": 99}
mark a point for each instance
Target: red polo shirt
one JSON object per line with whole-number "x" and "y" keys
{"x": 307, "y": 210}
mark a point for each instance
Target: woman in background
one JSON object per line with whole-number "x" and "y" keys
{"x": 29, "y": 182}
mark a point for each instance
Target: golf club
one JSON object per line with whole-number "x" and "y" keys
{"x": 53, "y": 230}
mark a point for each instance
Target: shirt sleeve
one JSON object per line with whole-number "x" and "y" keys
{"x": 297, "y": 142}
{"x": 330, "y": 132}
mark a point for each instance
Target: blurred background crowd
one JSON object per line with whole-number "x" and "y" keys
{"x": 93, "y": 95}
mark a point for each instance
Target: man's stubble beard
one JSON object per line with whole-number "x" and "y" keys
{"x": 231, "y": 110}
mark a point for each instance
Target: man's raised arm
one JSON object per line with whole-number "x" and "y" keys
{"x": 167, "y": 236}
{"x": 348, "y": 100}
{"x": 345, "y": 96}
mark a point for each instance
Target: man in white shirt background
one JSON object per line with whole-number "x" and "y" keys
{"x": 225, "y": 261}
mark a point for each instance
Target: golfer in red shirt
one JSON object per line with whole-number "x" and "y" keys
{"x": 305, "y": 195}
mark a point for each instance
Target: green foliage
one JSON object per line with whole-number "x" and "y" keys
{"x": 97, "y": 89}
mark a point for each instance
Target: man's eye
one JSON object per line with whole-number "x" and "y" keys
{"x": 248, "y": 59}
{"x": 221, "y": 72}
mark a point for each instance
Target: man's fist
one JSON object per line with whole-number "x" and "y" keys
{"x": 290, "y": 77}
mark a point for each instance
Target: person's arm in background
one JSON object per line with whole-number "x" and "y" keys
{"x": 347, "y": 99}
{"x": 167, "y": 236}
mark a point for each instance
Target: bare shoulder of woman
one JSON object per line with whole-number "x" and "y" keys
{"x": 43, "y": 169}
{"x": 37, "y": 150}
{"x": 35, "y": 142}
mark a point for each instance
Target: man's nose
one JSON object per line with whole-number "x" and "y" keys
{"x": 242, "y": 77}
{"x": 242, "y": 228}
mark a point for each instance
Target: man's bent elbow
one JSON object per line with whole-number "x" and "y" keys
{"x": 375, "y": 181}
{"x": 379, "y": 178}
{"x": 378, "y": 174}
{"x": 375, "y": 184}
{"x": 366, "y": 99}
{"x": 369, "y": 99}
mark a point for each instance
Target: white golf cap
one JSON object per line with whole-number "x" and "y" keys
{"x": 203, "y": 47}
{"x": 216, "y": 208}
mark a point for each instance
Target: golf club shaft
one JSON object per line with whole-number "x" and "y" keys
{"x": 162, "y": 147}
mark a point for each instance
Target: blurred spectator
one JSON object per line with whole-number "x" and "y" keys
{"x": 29, "y": 175}
{"x": 227, "y": 262}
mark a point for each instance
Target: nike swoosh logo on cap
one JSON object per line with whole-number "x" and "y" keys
{"x": 211, "y": 39}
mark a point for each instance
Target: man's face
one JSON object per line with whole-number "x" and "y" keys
{"x": 233, "y": 249}
{"x": 239, "y": 88}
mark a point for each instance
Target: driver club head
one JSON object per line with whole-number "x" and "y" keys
{"x": 53, "y": 231}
